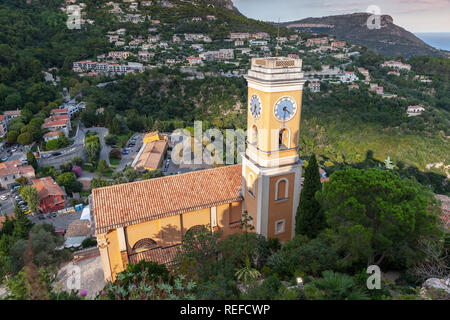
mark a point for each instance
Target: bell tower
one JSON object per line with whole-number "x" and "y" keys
{"x": 271, "y": 170}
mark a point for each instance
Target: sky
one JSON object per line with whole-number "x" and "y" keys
{"x": 413, "y": 15}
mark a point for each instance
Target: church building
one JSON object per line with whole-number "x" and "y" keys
{"x": 148, "y": 219}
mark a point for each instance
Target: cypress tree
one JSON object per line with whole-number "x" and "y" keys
{"x": 22, "y": 225}
{"x": 310, "y": 219}
{"x": 31, "y": 159}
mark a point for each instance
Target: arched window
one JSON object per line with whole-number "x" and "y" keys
{"x": 251, "y": 184}
{"x": 195, "y": 229}
{"x": 254, "y": 136}
{"x": 284, "y": 136}
{"x": 144, "y": 244}
{"x": 281, "y": 189}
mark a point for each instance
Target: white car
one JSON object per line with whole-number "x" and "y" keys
{"x": 4, "y": 198}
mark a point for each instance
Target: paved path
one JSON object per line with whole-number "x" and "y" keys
{"x": 91, "y": 276}
{"x": 127, "y": 159}
{"x": 59, "y": 222}
{"x": 102, "y": 133}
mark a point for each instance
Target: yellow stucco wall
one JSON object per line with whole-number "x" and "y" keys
{"x": 268, "y": 121}
{"x": 115, "y": 260}
{"x": 251, "y": 203}
{"x": 280, "y": 209}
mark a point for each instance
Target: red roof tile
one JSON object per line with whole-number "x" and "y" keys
{"x": 131, "y": 203}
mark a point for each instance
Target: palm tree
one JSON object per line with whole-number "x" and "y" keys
{"x": 334, "y": 286}
{"x": 247, "y": 273}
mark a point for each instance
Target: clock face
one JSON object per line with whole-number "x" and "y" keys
{"x": 285, "y": 109}
{"x": 255, "y": 106}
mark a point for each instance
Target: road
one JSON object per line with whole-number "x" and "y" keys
{"x": 67, "y": 154}
{"x": 7, "y": 206}
{"x": 127, "y": 159}
{"x": 102, "y": 133}
{"x": 59, "y": 222}
{"x": 18, "y": 155}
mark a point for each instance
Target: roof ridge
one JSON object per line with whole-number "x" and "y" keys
{"x": 164, "y": 177}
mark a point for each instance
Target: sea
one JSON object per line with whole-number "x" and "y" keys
{"x": 439, "y": 40}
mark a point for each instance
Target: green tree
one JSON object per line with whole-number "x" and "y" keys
{"x": 247, "y": 273}
{"x": 69, "y": 182}
{"x": 31, "y": 159}
{"x": 12, "y": 136}
{"x": 30, "y": 195}
{"x": 25, "y": 138}
{"x": 374, "y": 215}
{"x": 62, "y": 140}
{"x": 310, "y": 219}
{"x": 102, "y": 167}
{"x": 22, "y": 225}
{"x": 334, "y": 286}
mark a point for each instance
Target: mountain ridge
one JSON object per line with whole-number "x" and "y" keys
{"x": 389, "y": 40}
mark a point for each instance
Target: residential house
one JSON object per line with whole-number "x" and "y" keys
{"x": 119, "y": 55}
{"x": 194, "y": 60}
{"x": 12, "y": 170}
{"x": 396, "y": 65}
{"x": 52, "y": 135}
{"x": 151, "y": 155}
{"x": 314, "y": 86}
{"x": 338, "y": 44}
{"x": 414, "y": 110}
{"x": 241, "y": 36}
{"x": 51, "y": 196}
{"x": 58, "y": 123}
{"x": 12, "y": 113}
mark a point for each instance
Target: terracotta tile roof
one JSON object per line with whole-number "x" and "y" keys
{"x": 47, "y": 187}
{"x": 152, "y": 155}
{"x": 2, "y": 117}
{"x": 132, "y": 203}
{"x": 78, "y": 228}
{"x": 12, "y": 113}
{"x": 57, "y": 123}
{"x": 52, "y": 134}
{"x": 57, "y": 118}
{"x": 15, "y": 167}
{"x": 65, "y": 110}
{"x": 159, "y": 255}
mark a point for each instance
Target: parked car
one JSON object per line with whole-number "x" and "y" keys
{"x": 24, "y": 161}
{"x": 4, "y": 159}
{"x": 47, "y": 155}
{"x": 125, "y": 152}
{"x": 4, "y": 197}
{"x": 61, "y": 231}
{"x": 56, "y": 154}
{"x": 41, "y": 217}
